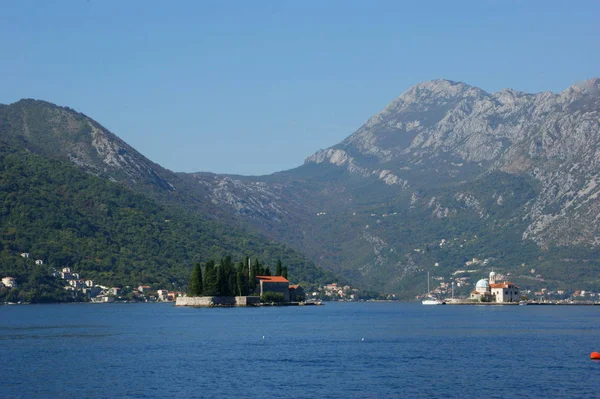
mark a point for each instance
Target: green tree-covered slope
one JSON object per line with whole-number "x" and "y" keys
{"x": 105, "y": 231}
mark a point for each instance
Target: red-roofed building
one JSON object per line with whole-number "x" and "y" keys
{"x": 493, "y": 291}
{"x": 274, "y": 284}
{"x": 505, "y": 292}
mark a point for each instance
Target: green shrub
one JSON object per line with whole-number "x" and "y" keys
{"x": 270, "y": 296}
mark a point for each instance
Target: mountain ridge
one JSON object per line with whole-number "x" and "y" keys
{"x": 426, "y": 162}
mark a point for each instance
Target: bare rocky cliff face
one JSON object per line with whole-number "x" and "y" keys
{"x": 60, "y": 132}
{"x": 443, "y": 127}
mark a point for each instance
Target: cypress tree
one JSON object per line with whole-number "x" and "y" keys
{"x": 284, "y": 272}
{"x": 256, "y": 267}
{"x": 245, "y": 284}
{"x": 239, "y": 267}
{"x": 231, "y": 281}
{"x": 196, "y": 281}
{"x": 267, "y": 271}
{"x": 239, "y": 280}
{"x": 210, "y": 278}
{"x": 278, "y": 270}
{"x": 221, "y": 281}
{"x": 252, "y": 280}
{"x": 226, "y": 262}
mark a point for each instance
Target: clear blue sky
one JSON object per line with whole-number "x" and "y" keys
{"x": 254, "y": 87}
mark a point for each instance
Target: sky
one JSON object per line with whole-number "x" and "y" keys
{"x": 255, "y": 87}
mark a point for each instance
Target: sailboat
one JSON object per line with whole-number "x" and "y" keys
{"x": 430, "y": 300}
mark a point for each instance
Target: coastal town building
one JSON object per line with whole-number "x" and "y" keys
{"x": 162, "y": 295}
{"x": 9, "y": 282}
{"x": 493, "y": 291}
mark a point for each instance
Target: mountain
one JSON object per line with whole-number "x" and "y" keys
{"x": 70, "y": 206}
{"x": 447, "y": 132}
{"x": 445, "y": 174}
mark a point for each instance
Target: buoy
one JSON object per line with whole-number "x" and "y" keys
{"x": 362, "y": 339}
{"x": 595, "y": 356}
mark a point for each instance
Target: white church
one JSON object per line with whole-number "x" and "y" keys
{"x": 494, "y": 291}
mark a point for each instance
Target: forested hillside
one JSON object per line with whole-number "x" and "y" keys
{"x": 103, "y": 230}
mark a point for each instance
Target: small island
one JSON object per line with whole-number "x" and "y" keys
{"x": 226, "y": 285}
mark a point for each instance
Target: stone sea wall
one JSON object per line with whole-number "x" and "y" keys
{"x": 209, "y": 301}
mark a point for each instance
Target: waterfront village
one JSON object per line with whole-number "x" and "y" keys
{"x": 496, "y": 288}
{"x": 84, "y": 289}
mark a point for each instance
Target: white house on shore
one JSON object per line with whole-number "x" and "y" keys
{"x": 162, "y": 295}
{"x": 9, "y": 282}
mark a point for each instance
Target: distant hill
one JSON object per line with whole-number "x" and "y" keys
{"x": 106, "y": 232}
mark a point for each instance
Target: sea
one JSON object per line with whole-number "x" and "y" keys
{"x": 339, "y": 350}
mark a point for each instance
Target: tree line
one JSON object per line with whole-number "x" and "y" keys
{"x": 226, "y": 278}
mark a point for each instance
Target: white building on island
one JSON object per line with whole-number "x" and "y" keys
{"x": 494, "y": 291}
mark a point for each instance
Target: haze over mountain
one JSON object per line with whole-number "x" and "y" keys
{"x": 445, "y": 173}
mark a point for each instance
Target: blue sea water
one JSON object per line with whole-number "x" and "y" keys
{"x": 340, "y": 350}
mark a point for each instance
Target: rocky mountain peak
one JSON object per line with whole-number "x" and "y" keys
{"x": 442, "y": 88}
{"x": 590, "y": 86}
{"x": 430, "y": 93}
{"x": 63, "y": 133}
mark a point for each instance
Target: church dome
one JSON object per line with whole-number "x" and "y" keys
{"x": 482, "y": 286}
{"x": 483, "y": 283}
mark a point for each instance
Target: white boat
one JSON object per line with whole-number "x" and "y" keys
{"x": 431, "y": 300}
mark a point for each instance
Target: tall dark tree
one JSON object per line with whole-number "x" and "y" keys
{"x": 252, "y": 277}
{"x": 239, "y": 284}
{"x": 232, "y": 282}
{"x": 246, "y": 262}
{"x": 278, "y": 270}
{"x": 267, "y": 271}
{"x": 196, "y": 281}
{"x": 221, "y": 281}
{"x": 210, "y": 278}
{"x": 284, "y": 272}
